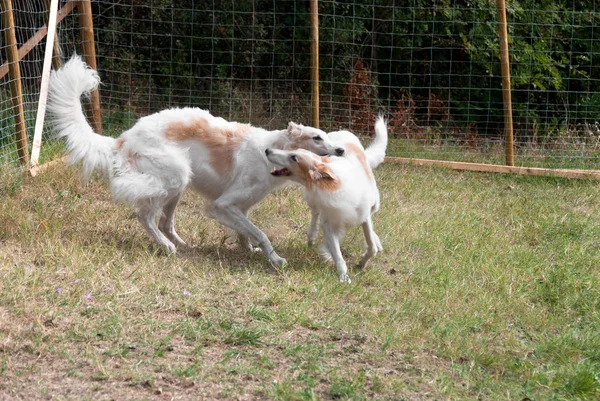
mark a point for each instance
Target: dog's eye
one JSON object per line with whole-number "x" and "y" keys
{"x": 294, "y": 158}
{"x": 317, "y": 138}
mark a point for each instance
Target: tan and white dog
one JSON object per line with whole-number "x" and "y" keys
{"x": 341, "y": 190}
{"x": 151, "y": 164}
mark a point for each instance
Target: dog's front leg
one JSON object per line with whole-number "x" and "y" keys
{"x": 373, "y": 243}
{"x": 332, "y": 241}
{"x": 233, "y": 217}
{"x": 313, "y": 229}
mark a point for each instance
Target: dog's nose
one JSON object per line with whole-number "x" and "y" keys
{"x": 339, "y": 151}
{"x": 267, "y": 152}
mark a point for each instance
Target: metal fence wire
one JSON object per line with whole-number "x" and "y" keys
{"x": 432, "y": 66}
{"x": 30, "y": 18}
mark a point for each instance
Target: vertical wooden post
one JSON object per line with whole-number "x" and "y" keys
{"x": 314, "y": 60}
{"x": 56, "y": 49}
{"x": 14, "y": 71}
{"x": 506, "y": 96}
{"x": 86, "y": 27}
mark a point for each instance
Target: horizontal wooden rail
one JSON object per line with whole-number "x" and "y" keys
{"x": 39, "y": 36}
{"x": 496, "y": 168}
{"x": 35, "y": 170}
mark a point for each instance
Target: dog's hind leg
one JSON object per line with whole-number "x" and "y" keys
{"x": 332, "y": 242}
{"x": 313, "y": 229}
{"x": 147, "y": 216}
{"x": 378, "y": 242}
{"x": 373, "y": 243}
{"x": 246, "y": 243}
{"x": 166, "y": 223}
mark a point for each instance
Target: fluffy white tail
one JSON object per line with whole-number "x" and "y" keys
{"x": 376, "y": 150}
{"x": 66, "y": 86}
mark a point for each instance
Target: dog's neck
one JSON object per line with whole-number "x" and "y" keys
{"x": 278, "y": 140}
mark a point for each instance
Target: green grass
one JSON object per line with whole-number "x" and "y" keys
{"x": 565, "y": 154}
{"x": 488, "y": 289}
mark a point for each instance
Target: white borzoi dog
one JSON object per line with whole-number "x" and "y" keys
{"x": 151, "y": 164}
{"x": 342, "y": 190}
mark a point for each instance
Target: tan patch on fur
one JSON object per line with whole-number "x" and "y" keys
{"x": 319, "y": 175}
{"x": 222, "y": 143}
{"x": 350, "y": 147}
{"x": 331, "y": 183}
{"x": 119, "y": 144}
{"x": 130, "y": 156}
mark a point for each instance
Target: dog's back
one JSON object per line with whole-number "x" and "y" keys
{"x": 375, "y": 152}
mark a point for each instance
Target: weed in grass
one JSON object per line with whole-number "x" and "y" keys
{"x": 286, "y": 392}
{"x": 243, "y": 336}
{"x": 344, "y": 388}
{"x": 259, "y": 313}
{"x": 198, "y": 330}
{"x": 584, "y": 382}
{"x": 188, "y": 371}
{"x": 163, "y": 346}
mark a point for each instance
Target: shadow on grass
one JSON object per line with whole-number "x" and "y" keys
{"x": 235, "y": 258}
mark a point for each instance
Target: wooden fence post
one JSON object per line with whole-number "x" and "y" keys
{"x": 86, "y": 26}
{"x": 506, "y": 97}
{"x": 14, "y": 71}
{"x": 314, "y": 60}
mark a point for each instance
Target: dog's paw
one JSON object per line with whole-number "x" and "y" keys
{"x": 170, "y": 249}
{"x": 363, "y": 262}
{"x": 345, "y": 279}
{"x": 378, "y": 244}
{"x": 278, "y": 261}
{"x": 187, "y": 248}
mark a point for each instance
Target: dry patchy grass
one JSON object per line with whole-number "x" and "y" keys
{"x": 487, "y": 289}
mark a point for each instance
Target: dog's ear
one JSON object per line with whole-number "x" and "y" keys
{"x": 295, "y": 130}
{"x": 324, "y": 178}
{"x": 320, "y": 172}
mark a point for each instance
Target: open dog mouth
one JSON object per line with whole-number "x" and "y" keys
{"x": 284, "y": 172}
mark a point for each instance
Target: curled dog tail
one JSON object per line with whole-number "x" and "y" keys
{"x": 376, "y": 150}
{"x": 66, "y": 86}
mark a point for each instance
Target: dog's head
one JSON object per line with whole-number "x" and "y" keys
{"x": 303, "y": 167}
{"x": 313, "y": 139}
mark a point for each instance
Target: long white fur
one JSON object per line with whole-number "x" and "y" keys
{"x": 375, "y": 152}
{"x": 353, "y": 203}
{"x": 163, "y": 168}
{"x": 65, "y": 88}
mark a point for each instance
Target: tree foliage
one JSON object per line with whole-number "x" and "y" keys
{"x": 422, "y": 51}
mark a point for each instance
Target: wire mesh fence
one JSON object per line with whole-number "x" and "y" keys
{"x": 432, "y": 66}
{"x": 30, "y": 18}
{"x": 27, "y": 18}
